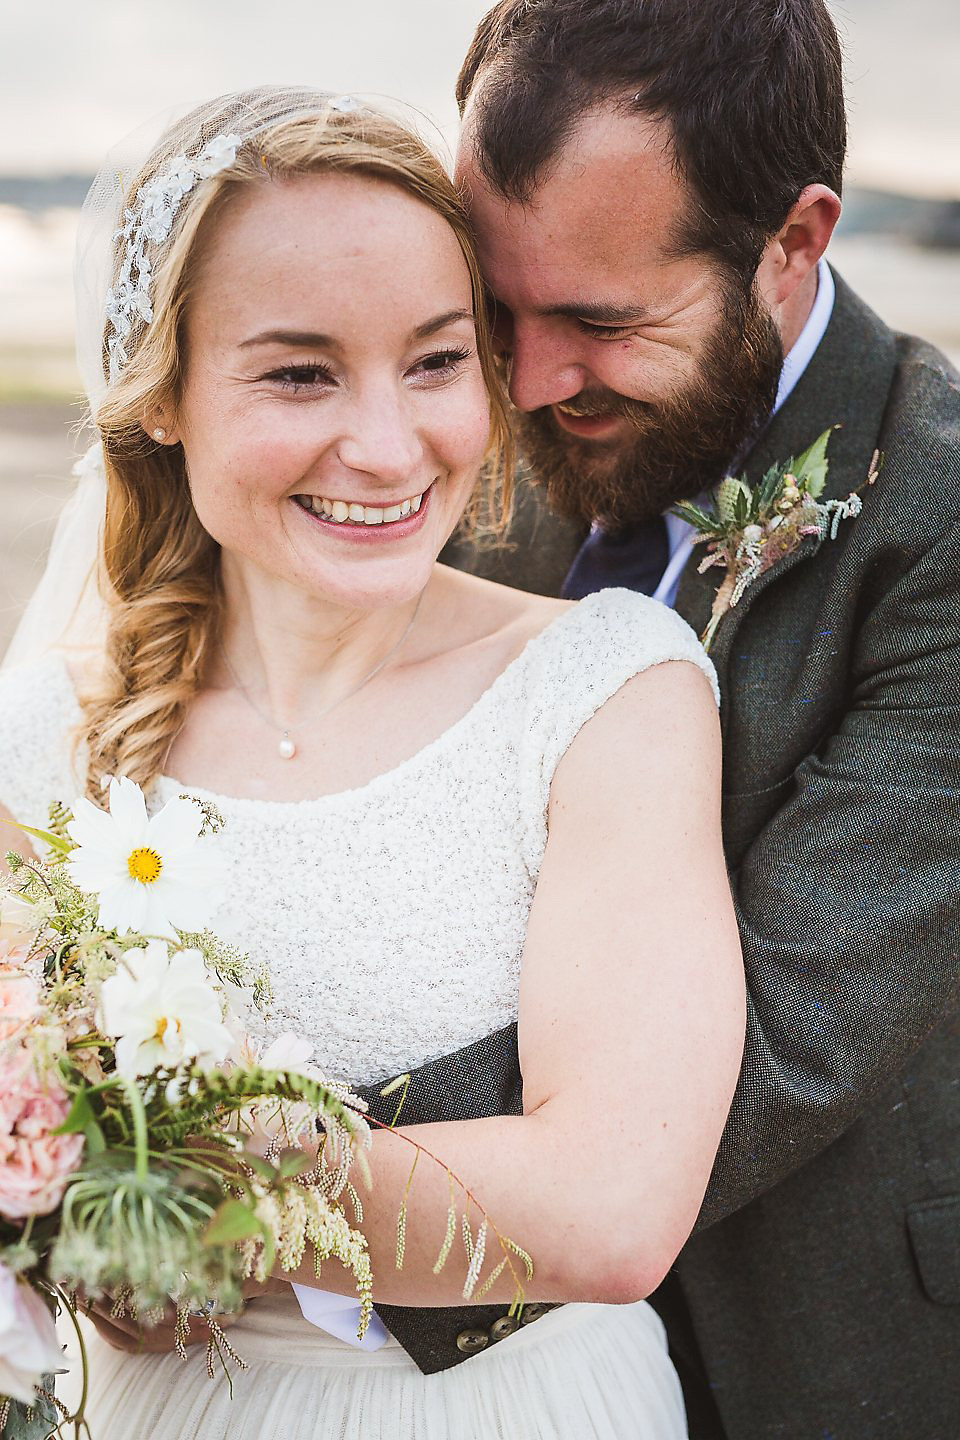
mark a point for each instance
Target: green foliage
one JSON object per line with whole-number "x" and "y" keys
{"x": 59, "y": 846}
{"x": 232, "y": 1222}
{"x": 119, "y": 1228}
{"x": 31, "y": 1422}
{"x": 81, "y": 1119}
{"x": 811, "y": 467}
{"x": 770, "y": 489}
{"x": 699, "y": 519}
{"x": 204, "y": 1094}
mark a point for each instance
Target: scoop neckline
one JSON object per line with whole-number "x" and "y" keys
{"x": 164, "y": 784}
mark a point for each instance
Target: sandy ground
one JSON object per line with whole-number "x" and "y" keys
{"x": 913, "y": 289}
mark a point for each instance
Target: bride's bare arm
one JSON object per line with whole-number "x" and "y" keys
{"x": 630, "y": 1028}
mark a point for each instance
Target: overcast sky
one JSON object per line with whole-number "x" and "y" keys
{"x": 76, "y": 75}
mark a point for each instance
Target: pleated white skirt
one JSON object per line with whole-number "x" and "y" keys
{"x": 582, "y": 1372}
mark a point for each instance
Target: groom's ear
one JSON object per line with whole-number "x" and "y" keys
{"x": 795, "y": 251}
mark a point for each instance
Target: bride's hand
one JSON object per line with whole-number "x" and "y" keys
{"x": 128, "y": 1334}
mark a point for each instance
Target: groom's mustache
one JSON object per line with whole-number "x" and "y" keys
{"x": 590, "y": 404}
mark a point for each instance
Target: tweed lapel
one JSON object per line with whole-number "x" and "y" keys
{"x": 847, "y": 383}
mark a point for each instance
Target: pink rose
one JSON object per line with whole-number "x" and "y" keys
{"x": 18, "y": 1001}
{"x": 29, "y": 1348}
{"x": 34, "y": 1163}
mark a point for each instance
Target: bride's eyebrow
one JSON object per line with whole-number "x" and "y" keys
{"x": 296, "y": 339}
{"x": 310, "y": 339}
{"x": 440, "y": 322}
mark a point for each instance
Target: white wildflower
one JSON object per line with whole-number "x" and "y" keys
{"x": 163, "y": 1010}
{"x": 153, "y": 875}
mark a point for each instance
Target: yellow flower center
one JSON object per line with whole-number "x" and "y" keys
{"x": 145, "y": 865}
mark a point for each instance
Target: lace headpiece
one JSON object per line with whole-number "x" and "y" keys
{"x": 151, "y": 221}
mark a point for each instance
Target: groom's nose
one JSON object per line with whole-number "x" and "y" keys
{"x": 543, "y": 370}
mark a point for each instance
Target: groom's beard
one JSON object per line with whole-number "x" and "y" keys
{"x": 679, "y": 446}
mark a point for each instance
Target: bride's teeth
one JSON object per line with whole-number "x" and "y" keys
{"x": 342, "y": 510}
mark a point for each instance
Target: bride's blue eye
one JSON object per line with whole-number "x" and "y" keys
{"x": 300, "y": 377}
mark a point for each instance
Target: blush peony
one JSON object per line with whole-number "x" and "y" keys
{"x": 35, "y": 1164}
{"x": 19, "y": 1000}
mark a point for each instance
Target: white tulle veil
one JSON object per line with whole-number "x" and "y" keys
{"x": 66, "y": 610}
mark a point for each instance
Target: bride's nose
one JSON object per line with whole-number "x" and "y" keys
{"x": 381, "y": 437}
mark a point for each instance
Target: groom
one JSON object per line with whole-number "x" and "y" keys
{"x": 654, "y": 185}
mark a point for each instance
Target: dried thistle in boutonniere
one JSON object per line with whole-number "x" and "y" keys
{"x": 752, "y": 528}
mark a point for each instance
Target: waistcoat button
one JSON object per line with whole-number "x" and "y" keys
{"x": 502, "y": 1327}
{"x": 470, "y": 1341}
{"x": 532, "y": 1312}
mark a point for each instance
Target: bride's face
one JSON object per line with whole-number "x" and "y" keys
{"x": 333, "y": 413}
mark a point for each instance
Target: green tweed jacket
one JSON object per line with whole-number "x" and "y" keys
{"x": 820, "y": 1295}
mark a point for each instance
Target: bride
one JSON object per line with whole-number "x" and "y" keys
{"x": 449, "y": 805}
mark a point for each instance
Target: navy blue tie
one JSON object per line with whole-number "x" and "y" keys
{"x": 634, "y": 558}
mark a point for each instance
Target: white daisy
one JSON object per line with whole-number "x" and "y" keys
{"x": 163, "y": 1009}
{"x": 154, "y": 875}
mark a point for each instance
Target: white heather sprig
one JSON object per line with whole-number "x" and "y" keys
{"x": 150, "y": 223}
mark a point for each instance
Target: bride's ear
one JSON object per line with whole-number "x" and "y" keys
{"x": 161, "y": 426}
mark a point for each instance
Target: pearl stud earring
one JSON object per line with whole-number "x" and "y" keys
{"x": 159, "y": 433}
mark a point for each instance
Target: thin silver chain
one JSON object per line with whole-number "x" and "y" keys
{"x": 341, "y": 699}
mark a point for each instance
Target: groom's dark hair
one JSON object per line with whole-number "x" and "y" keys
{"x": 752, "y": 91}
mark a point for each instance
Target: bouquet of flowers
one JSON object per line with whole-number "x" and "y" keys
{"x": 152, "y": 1149}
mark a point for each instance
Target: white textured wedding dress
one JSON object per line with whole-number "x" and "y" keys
{"x": 392, "y": 917}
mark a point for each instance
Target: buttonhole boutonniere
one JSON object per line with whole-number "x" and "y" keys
{"x": 749, "y": 529}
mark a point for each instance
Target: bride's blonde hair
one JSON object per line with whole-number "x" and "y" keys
{"x": 160, "y": 569}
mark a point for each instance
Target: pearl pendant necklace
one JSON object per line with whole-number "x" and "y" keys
{"x": 287, "y": 748}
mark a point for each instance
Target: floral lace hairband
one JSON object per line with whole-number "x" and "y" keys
{"x": 128, "y": 299}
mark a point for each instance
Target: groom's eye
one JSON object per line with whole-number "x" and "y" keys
{"x": 606, "y": 332}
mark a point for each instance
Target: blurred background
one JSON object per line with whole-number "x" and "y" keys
{"x": 77, "y": 75}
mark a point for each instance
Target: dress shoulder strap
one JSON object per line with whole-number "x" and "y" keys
{"x": 575, "y": 666}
